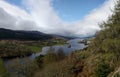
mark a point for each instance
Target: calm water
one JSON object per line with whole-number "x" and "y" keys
{"x": 71, "y": 46}
{"x": 74, "y": 45}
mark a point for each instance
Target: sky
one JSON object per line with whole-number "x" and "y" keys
{"x": 72, "y": 10}
{"x": 79, "y": 18}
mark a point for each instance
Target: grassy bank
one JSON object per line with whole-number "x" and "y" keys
{"x": 16, "y": 48}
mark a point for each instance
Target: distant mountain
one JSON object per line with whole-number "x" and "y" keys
{"x": 30, "y": 35}
{"x": 23, "y": 35}
{"x": 73, "y": 37}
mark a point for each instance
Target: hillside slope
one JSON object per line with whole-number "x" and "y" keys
{"x": 23, "y": 35}
{"x": 102, "y": 57}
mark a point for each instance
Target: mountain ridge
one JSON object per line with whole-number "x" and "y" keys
{"x": 23, "y": 35}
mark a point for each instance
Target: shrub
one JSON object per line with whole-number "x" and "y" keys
{"x": 116, "y": 75}
{"x": 53, "y": 56}
{"x": 39, "y": 61}
{"x": 3, "y": 71}
{"x": 60, "y": 54}
{"x": 57, "y": 69}
{"x": 102, "y": 69}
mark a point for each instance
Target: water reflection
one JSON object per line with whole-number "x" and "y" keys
{"x": 74, "y": 45}
{"x": 71, "y": 46}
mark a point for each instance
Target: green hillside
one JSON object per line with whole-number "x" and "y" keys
{"x": 102, "y": 58}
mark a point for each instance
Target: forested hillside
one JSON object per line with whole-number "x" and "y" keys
{"x": 23, "y": 35}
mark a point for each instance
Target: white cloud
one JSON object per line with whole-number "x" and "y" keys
{"x": 12, "y": 17}
{"x": 41, "y": 16}
{"x": 89, "y": 25}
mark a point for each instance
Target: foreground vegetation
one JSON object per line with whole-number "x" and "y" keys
{"x": 101, "y": 59}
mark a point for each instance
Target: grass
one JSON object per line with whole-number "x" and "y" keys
{"x": 35, "y": 48}
{"x": 16, "y": 48}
